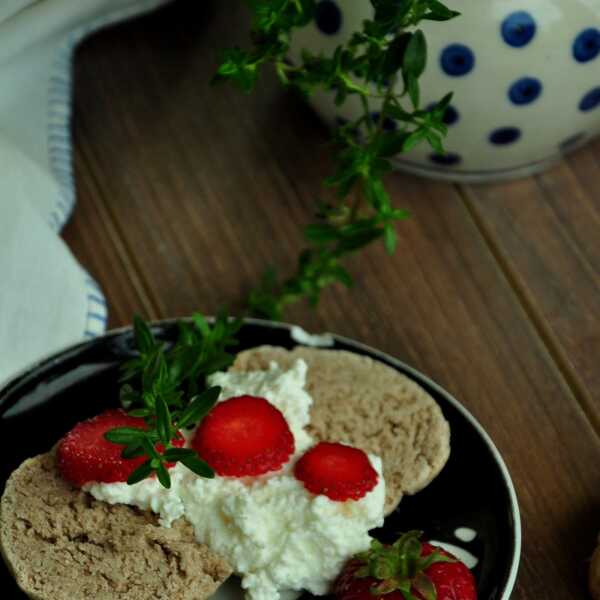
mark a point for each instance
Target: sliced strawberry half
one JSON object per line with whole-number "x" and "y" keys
{"x": 338, "y": 471}
{"x": 244, "y": 436}
{"x": 85, "y": 456}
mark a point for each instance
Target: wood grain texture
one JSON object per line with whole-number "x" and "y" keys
{"x": 203, "y": 187}
{"x": 96, "y": 242}
{"x": 546, "y": 232}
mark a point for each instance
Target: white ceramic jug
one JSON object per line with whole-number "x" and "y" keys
{"x": 525, "y": 76}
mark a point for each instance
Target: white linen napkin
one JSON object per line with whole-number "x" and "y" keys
{"x": 47, "y": 301}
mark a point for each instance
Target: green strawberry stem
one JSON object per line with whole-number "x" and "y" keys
{"x": 400, "y": 567}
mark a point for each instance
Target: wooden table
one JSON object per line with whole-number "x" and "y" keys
{"x": 186, "y": 192}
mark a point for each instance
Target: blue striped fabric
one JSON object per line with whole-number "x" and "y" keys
{"x": 97, "y": 310}
{"x": 60, "y": 154}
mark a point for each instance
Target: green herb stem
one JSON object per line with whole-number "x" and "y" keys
{"x": 387, "y": 49}
{"x": 166, "y": 386}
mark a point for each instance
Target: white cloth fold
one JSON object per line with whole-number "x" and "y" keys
{"x": 47, "y": 301}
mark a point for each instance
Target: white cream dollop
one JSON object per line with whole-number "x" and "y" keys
{"x": 147, "y": 495}
{"x": 275, "y": 534}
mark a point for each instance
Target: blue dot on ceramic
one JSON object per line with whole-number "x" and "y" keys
{"x": 451, "y": 116}
{"x": 447, "y": 160}
{"x": 457, "y": 60}
{"x": 518, "y": 29}
{"x": 587, "y": 45}
{"x": 591, "y": 100}
{"x": 525, "y": 90}
{"x": 505, "y": 135}
{"x": 388, "y": 124}
{"x": 328, "y": 17}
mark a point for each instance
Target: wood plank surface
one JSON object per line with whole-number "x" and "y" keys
{"x": 546, "y": 233}
{"x": 200, "y": 188}
{"x": 94, "y": 239}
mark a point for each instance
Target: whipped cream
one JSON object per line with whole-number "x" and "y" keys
{"x": 316, "y": 340}
{"x": 277, "y": 536}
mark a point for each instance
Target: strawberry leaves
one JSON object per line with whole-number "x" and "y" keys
{"x": 400, "y": 567}
{"x": 424, "y": 586}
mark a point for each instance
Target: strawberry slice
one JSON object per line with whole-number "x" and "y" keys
{"x": 338, "y": 471}
{"x": 85, "y": 456}
{"x": 244, "y": 436}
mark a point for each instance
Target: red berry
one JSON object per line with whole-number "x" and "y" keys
{"x": 348, "y": 586}
{"x": 451, "y": 580}
{"x": 244, "y": 436}
{"x": 338, "y": 471}
{"x": 85, "y": 456}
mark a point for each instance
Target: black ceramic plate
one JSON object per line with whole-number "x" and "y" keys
{"x": 473, "y": 494}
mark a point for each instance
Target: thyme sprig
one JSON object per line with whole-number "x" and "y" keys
{"x": 166, "y": 386}
{"x": 381, "y": 64}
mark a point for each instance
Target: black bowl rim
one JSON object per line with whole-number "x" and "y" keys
{"x": 30, "y": 371}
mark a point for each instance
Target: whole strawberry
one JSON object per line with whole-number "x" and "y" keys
{"x": 407, "y": 570}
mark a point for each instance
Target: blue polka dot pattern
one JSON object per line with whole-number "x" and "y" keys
{"x": 525, "y": 90}
{"x": 328, "y": 17}
{"x": 457, "y": 60}
{"x": 586, "y": 46}
{"x": 590, "y": 101}
{"x": 504, "y": 136}
{"x": 518, "y": 29}
{"x": 447, "y": 160}
{"x": 451, "y": 116}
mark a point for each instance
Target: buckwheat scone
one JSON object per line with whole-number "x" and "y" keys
{"x": 61, "y": 544}
{"x": 370, "y": 405}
